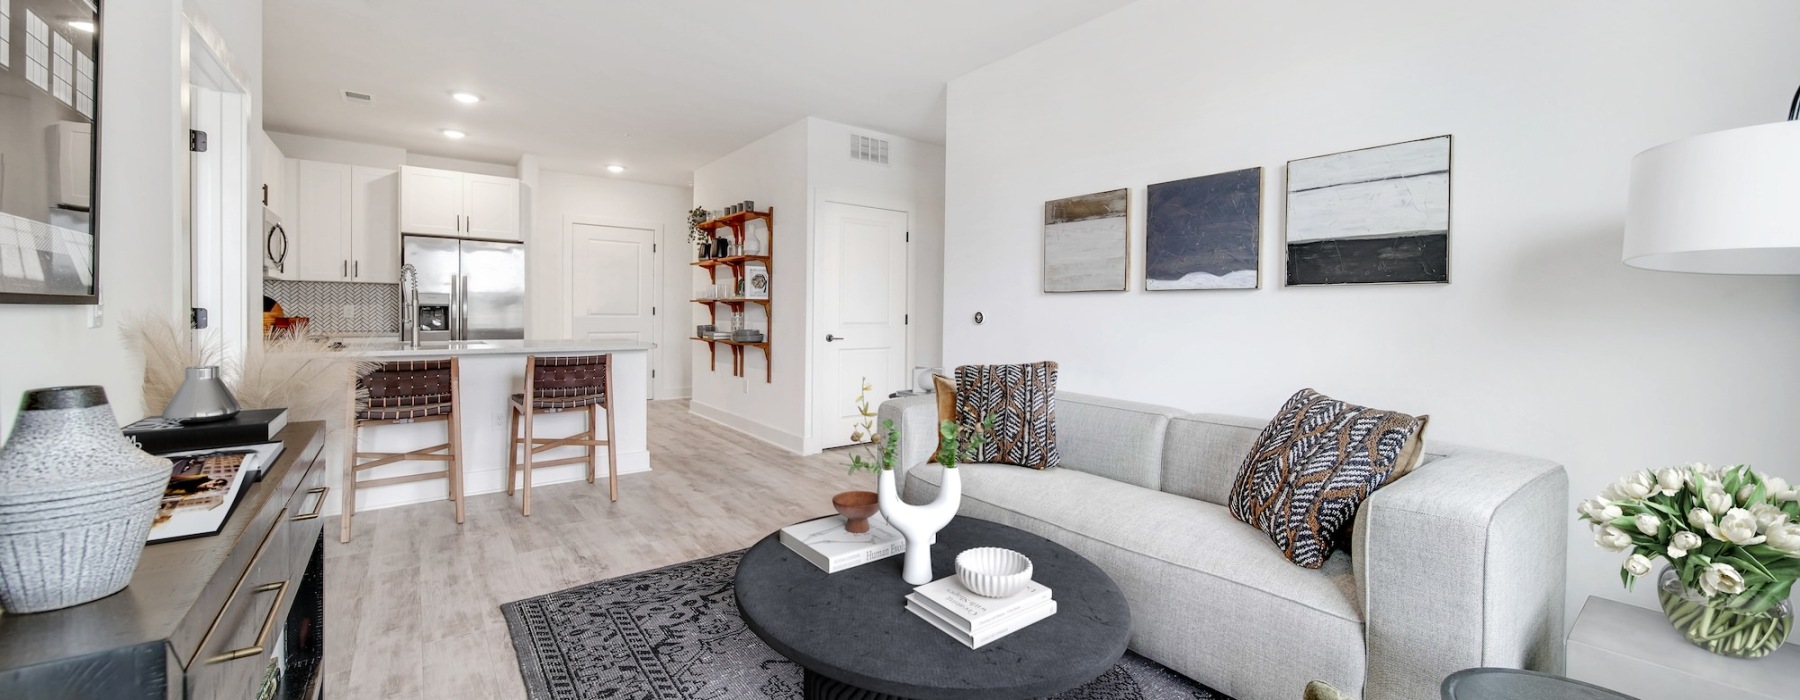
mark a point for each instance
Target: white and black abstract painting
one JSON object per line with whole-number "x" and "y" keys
{"x": 1374, "y": 216}
{"x": 1086, "y": 242}
{"x": 1202, "y": 232}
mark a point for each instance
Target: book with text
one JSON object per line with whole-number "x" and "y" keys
{"x": 826, "y": 543}
{"x": 969, "y": 611}
{"x": 1020, "y": 619}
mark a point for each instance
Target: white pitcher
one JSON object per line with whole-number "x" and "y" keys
{"x": 919, "y": 523}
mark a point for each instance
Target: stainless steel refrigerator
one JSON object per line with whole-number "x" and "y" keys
{"x": 468, "y": 290}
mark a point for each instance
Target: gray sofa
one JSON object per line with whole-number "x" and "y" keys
{"x": 1459, "y": 564}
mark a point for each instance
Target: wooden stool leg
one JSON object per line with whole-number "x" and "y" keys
{"x": 348, "y": 486}
{"x": 456, "y": 464}
{"x": 529, "y": 447}
{"x": 512, "y": 448}
{"x": 593, "y": 451}
{"x": 612, "y": 445}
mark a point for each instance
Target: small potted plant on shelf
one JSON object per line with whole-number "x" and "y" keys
{"x": 1731, "y": 537}
{"x": 697, "y": 236}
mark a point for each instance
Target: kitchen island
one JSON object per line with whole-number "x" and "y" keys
{"x": 491, "y": 372}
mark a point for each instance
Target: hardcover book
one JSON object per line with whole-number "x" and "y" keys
{"x": 203, "y": 490}
{"x": 1018, "y": 620}
{"x": 826, "y": 543}
{"x": 972, "y": 612}
{"x": 157, "y": 434}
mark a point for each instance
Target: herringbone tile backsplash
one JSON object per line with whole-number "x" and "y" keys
{"x": 373, "y": 308}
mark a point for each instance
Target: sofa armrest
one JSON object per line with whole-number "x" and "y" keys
{"x": 1462, "y": 564}
{"x": 916, "y": 417}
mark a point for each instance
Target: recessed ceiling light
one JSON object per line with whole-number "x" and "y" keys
{"x": 453, "y": 134}
{"x": 615, "y": 169}
{"x": 467, "y": 98}
{"x": 82, "y": 25}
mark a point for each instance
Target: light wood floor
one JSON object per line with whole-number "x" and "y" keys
{"x": 413, "y": 601}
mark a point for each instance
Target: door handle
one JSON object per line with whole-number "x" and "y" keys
{"x": 832, "y": 338}
{"x": 357, "y": 266}
{"x": 346, "y": 268}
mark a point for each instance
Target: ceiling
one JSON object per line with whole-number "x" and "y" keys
{"x": 659, "y": 86}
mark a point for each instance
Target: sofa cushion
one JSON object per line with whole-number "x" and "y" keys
{"x": 1313, "y": 466}
{"x": 1210, "y": 597}
{"x": 1021, "y": 402}
{"x": 1120, "y": 440}
{"x": 1203, "y": 452}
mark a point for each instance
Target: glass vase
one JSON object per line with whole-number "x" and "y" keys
{"x": 1719, "y": 628}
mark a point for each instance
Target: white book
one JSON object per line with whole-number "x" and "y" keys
{"x": 1013, "y": 623}
{"x": 826, "y": 543}
{"x": 988, "y": 624}
{"x": 964, "y": 606}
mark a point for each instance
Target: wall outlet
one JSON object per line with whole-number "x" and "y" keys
{"x": 96, "y": 316}
{"x": 349, "y": 311}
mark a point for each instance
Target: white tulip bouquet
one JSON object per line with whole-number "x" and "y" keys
{"x": 1731, "y": 537}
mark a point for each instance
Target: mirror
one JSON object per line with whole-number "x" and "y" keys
{"x": 49, "y": 89}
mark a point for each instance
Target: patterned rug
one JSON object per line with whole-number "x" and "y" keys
{"x": 675, "y": 634}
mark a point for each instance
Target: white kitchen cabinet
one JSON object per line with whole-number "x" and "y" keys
{"x": 465, "y": 205}
{"x": 375, "y": 230}
{"x": 344, "y": 227}
{"x": 321, "y": 223}
{"x": 274, "y": 178}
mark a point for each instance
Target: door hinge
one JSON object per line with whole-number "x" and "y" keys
{"x": 906, "y": 320}
{"x": 652, "y": 311}
{"x": 652, "y": 374}
{"x": 652, "y": 247}
{"x": 908, "y": 236}
{"x": 196, "y": 141}
{"x": 197, "y": 318}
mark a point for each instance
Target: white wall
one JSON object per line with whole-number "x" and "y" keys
{"x": 1543, "y": 344}
{"x": 562, "y": 198}
{"x": 368, "y": 155}
{"x": 770, "y": 172}
{"x": 142, "y": 203}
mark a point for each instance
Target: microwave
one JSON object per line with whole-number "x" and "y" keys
{"x": 275, "y": 246}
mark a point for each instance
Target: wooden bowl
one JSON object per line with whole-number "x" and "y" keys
{"x": 856, "y": 507}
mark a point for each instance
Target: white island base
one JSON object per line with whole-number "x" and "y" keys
{"x": 491, "y": 372}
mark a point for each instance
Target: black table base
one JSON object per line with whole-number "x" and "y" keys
{"x": 819, "y": 687}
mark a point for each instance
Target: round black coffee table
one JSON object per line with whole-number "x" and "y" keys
{"x": 853, "y": 635}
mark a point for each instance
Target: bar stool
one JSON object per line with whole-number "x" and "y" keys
{"x": 409, "y": 391}
{"x": 557, "y": 384}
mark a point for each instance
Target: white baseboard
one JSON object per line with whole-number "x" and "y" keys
{"x": 766, "y": 433}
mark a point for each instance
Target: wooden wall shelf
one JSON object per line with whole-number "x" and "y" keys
{"x": 734, "y": 266}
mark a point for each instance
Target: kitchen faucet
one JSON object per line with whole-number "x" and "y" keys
{"x": 409, "y": 305}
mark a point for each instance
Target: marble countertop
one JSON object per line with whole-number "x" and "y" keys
{"x": 395, "y": 348}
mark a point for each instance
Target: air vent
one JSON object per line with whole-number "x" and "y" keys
{"x": 358, "y": 98}
{"x": 868, "y": 149}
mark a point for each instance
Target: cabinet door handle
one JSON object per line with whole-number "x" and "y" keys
{"x": 346, "y": 268}
{"x": 458, "y": 222}
{"x": 262, "y": 636}
{"x": 254, "y": 559}
{"x": 471, "y": 228}
{"x": 358, "y": 269}
{"x": 318, "y": 506}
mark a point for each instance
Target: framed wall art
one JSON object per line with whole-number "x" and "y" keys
{"x": 1204, "y": 232}
{"x": 49, "y": 127}
{"x": 1372, "y": 216}
{"x": 1087, "y": 242}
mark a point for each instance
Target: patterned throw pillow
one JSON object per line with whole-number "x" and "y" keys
{"x": 1022, "y": 401}
{"x": 1313, "y": 466}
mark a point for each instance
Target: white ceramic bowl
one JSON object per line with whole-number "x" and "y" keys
{"x": 993, "y": 572}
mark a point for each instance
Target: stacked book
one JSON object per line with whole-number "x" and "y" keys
{"x": 826, "y": 543}
{"x": 212, "y": 462}
{"x": 976, "y": 620}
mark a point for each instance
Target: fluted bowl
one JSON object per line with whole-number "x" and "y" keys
{"x": 993, "y": 572}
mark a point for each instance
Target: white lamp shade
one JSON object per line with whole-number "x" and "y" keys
{"x": 1727, "y": 202}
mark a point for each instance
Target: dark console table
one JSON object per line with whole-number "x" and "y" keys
{"x": 202, "y": 617}
{"x": 851, "y": 632}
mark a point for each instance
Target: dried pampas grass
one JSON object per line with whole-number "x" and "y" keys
{"x": 313, "y": 382}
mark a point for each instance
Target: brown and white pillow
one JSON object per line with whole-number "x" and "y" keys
{"x": 1313, "y": 466}
{"x": 1021, "y": 399}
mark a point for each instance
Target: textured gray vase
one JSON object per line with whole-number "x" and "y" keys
{"x": 202, "y": 397}
{"x": 76, "y": 501}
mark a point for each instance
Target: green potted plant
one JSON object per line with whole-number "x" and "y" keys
{"x": 1731, "y": 538}
{"x": 696, "y": 235}
{"x": 918, "y": 523}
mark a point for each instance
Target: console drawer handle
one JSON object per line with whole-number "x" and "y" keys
{"x": 317, "y": 506}
{"x": 262, "y": 637}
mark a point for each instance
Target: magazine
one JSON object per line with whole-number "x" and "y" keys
{"x": 203, "y": 490}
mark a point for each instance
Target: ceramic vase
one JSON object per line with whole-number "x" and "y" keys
{"x": 919, "y": 523}
{"x": 76, "y": 501}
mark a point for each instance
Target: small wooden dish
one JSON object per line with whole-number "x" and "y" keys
{"x": 856, "y": 507}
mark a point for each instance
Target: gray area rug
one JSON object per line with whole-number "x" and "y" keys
{"x": 675, "y": 634}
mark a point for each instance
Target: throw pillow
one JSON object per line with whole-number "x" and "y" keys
{"x": 945, "y": 389}
{"x": 1312, "y": 467}
{"x": 1411, "y": 457}
{"x": 1021, "y": 400}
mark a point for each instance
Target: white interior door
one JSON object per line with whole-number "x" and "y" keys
{"x": 612, "y": 274}
{"x": 860, "y": 312}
